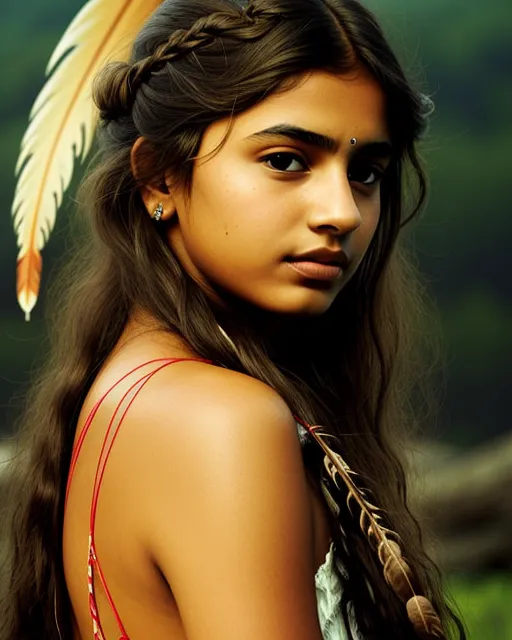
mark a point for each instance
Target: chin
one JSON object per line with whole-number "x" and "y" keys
{"x": 312, "y": 310}
{"x": 315, "y": 304}
{"x": 291, "y": 302}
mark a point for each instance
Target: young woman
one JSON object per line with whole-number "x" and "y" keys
{"x": 244, "y": 280}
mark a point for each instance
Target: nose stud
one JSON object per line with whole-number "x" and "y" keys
{"x": 353, "y": 141}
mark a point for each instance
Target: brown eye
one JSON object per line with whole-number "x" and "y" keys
{"x": 366, "y": 175}
{"x": 286, "y": 162}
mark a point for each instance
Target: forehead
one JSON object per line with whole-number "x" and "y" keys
{"x": 340, "y": 106}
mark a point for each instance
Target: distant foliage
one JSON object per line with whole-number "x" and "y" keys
{"x": 485, "y": 605}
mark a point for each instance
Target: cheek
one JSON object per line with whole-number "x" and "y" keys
{"x": 370, "y": 213}
{"x": 226, "y": 232}
{"x": 239, "y": 211}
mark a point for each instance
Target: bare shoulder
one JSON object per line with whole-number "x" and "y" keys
{"x": 196, "y": 415}
{"x": 225, "y": 504}
{"x": 201, "y": 394}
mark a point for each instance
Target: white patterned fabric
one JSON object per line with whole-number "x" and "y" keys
{"x": 328, "y": 598}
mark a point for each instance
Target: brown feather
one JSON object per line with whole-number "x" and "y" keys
{"x": 424, "y": 619}
{"x": 397, "y": 572}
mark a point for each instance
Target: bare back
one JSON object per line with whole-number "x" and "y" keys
{"x": 177, "y": 531}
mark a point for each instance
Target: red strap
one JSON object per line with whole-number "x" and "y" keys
{"x": 90, "y": 418}
{"x": 108, "y": 442}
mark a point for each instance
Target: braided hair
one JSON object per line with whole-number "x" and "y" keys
{"x": 125, "y": 79}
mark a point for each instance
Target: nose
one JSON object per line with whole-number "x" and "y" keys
{"x": 335, "y": 209}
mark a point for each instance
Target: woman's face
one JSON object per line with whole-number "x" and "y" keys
{"x": 298, "y": 174}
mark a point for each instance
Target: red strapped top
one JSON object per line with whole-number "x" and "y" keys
{"x": 93, "y": 564}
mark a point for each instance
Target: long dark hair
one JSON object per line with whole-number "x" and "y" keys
{"x": 357, "y": 362}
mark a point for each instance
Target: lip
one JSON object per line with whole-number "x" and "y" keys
{"x": 322, "y": 256}
{"x": 316, "y": 270}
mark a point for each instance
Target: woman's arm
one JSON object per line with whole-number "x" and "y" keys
{"x": 227, "y": 514}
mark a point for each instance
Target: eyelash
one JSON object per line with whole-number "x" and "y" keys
{"x": 285, "y": 154}
{"x": 379, "y": 173}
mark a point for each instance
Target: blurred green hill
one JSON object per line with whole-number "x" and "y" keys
{"x": 460, "y": 53}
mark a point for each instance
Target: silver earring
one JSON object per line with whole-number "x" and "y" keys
{"x": 158, "y": 213}
{"x": 353, "y": 141}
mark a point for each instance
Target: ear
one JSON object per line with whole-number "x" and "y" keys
{"x": 152, "y": 194}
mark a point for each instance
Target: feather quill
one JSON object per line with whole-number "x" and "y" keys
{"x": 62, "y": 124}
{"x": 397, "y": 572}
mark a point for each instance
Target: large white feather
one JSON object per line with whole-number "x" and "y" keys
{"x": 62, "y": 124}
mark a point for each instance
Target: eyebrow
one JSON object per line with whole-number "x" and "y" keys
{"x": 378, "y": 149}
